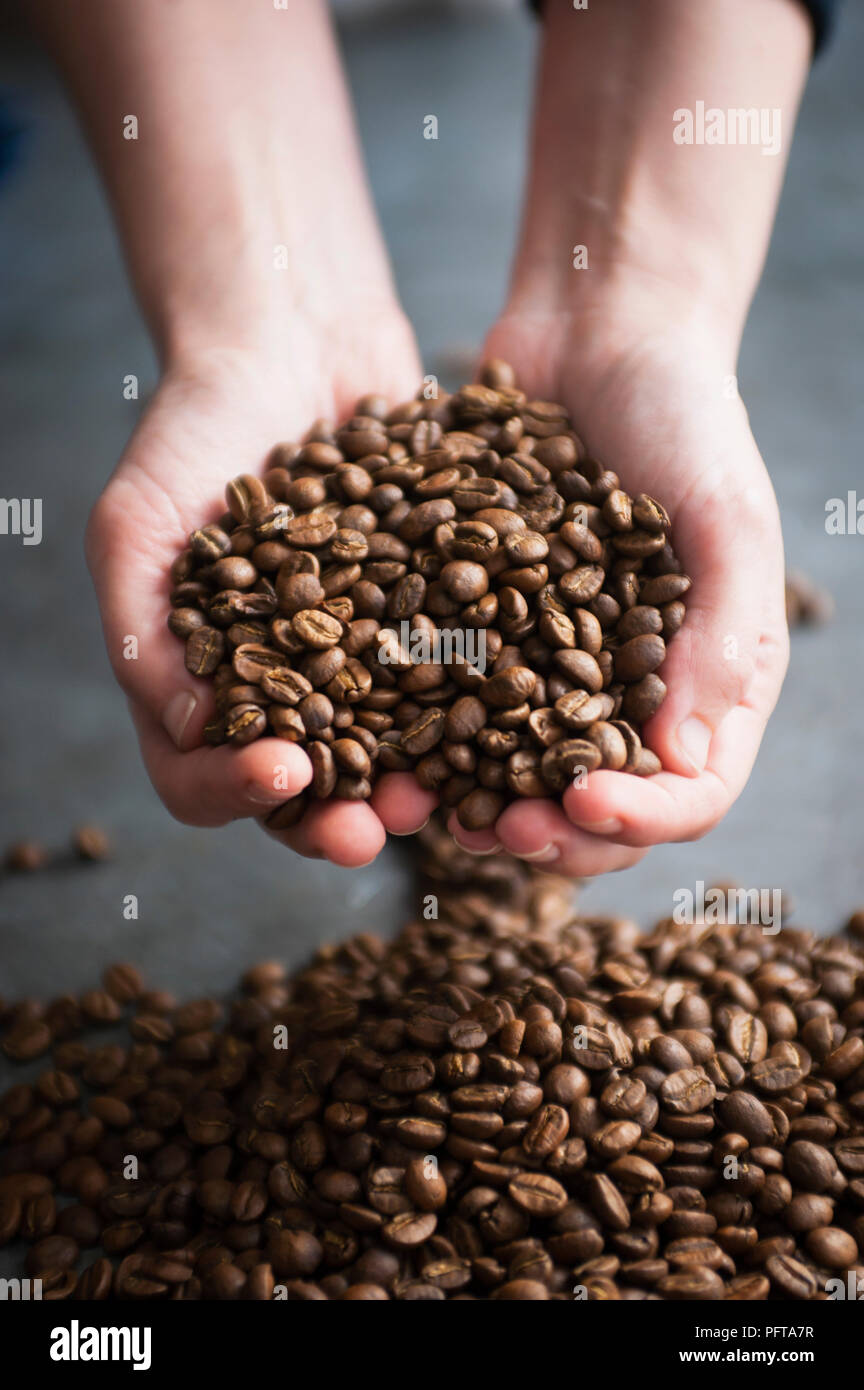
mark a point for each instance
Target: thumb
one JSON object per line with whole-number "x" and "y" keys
{"x": 129, "y": 545}
{"x": 737, "y": 598}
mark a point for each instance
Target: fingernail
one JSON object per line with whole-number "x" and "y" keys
{"x": 694, "y": 740}
{"x": 261, "y": 796}
{"x": 176, "y": 715}
{"x": 602, "y": 827}
{"x": 480, "y": 853}
{"x": 544, "y": 855}
{"x": 403, "y": 834}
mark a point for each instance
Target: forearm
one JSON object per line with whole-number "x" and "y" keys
{"x": 242, "y": 203}
{"x": 687, "y": 223}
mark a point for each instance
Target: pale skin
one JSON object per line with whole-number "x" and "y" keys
{"x": 245, "y": 144}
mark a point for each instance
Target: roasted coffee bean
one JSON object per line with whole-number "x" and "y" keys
{"x": 204, "y": 651}
{"x": 810, "y": 1166}
{"x": 687, "y": 1091}
{"x": 316, "y": 629}
{"x": 538, "y": 1194}
{"x": 244, "y": 494}
{"x": 480, "y": 809}
{"x": 643, "y": 699}
{"x": 243, "y": 723}
{"x": 184, "y": 621}
{"x": 790, "y": 1277}
{"x": 26, "y": 857}
{"x": 639, "y": 657}
{"x": 424, "y": 733}
{"x": 568, "y": 759}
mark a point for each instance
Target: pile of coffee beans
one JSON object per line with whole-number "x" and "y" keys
{"x": 506, "y": 1102}
{"x": 451, "y": 587}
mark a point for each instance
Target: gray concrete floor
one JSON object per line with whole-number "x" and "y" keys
{"x": 210, "y": 901}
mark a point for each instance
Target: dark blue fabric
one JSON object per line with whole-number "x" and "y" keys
{"x": 822, "y": 12}
{"x": 11, "y": 132}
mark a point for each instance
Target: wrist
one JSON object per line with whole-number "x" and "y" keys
{"x": 615, "y": 297}
{"x": 615, "y": 324}
{"x": 319, "y": 357}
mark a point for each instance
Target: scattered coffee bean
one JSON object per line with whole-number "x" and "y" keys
{"x": 26, "y": 857}
{"x": 807, "y": 604}
{"x": 91, "y": 842}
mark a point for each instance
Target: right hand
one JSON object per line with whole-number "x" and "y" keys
{"x": 209, "y": 420}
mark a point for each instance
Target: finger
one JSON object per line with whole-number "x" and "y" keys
{"x": 480, "y": 842}
{"x": 539, "y": 832}
{"x": 347, "y": 833}
{"x": 211, "y": 786}
{"x": 642, "y": 811}
{"x": 401, "y": 804}
{"x": 296, "y": 838}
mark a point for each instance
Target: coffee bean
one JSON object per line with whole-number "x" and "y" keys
{"x": 643, "y": 699}
{"x": 316, "y": 629}
{"x": 695, "y": 1282}
{"x": 610, "y": 742}
{"x": 243, "y": 495}
{"x": 744, "y": 1113}
{"x": 204, "y": 651}
{"x": 774, "y": 1075}
{"x": 639, "y": 657}
{"x": 25, "y": 857}
{"x": 747, "y": 1037}
{"x": 323, "y": 769}
{"x": 91, "y": 843}
{"x": 810, "y": 1166}
{"x": 424, "y": 733}
{"x": 687, "y": 1091}
{"x": 832, "y": 1247}
{"x": 409, "y": 1229}
{"x": 664, "y": 589}
{"x": 245, "y": 723}
{"x": 480, "y": 809}
{"x": 567, "y": 759}
{"x": 790, "y": 1277}
{"x": 538, "y": 1194}
{"x": 508, "y": 688}
{"x": 26, "y": 1040}
{"x": 548, "y": 1128}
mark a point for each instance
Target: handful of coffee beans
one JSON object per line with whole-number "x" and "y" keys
{"x": 505, "y": 1102}
{"x": 451, "y": 587}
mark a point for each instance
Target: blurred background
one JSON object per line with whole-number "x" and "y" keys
{"x": 212, "y": 901}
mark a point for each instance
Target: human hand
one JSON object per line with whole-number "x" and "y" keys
{"x": 657, "y": 405}
{"x": 212, "y": 418}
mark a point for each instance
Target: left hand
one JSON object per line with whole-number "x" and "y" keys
{"x": 658, "y": 405}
